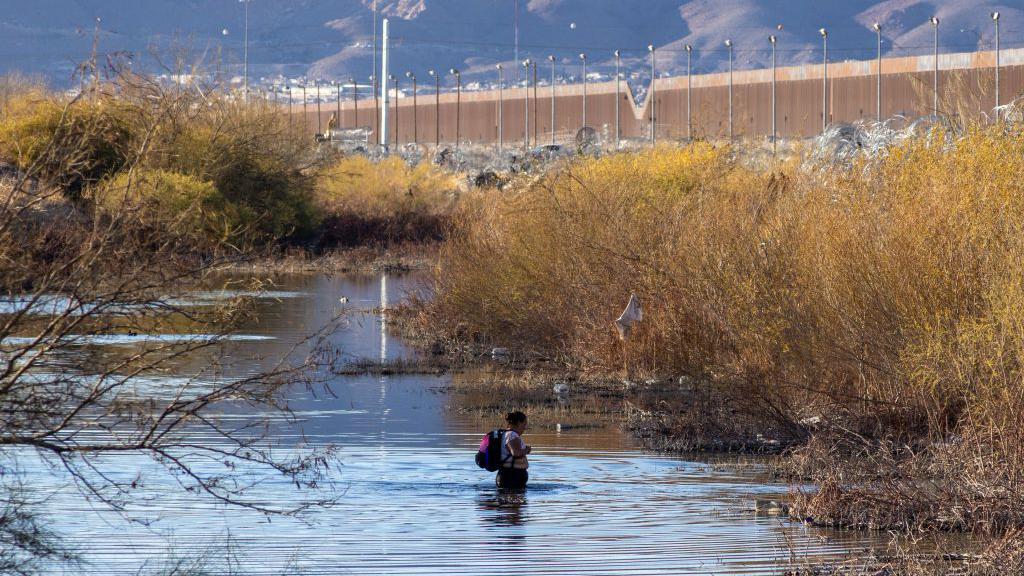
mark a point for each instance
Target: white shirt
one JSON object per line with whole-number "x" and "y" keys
{"x": 506, "y": 453}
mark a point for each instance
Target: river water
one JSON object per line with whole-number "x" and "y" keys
{"x": 411, "y": 499}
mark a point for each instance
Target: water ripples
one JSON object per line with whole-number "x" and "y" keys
{"x": 411, "y": 500}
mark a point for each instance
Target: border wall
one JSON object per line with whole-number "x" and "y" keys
{"x": 966, "y": 90}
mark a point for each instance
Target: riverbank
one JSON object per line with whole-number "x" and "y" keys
{"x": 407, "y": 257}
{"x": 650, "y": 413}
{"x": 668, "y": 417}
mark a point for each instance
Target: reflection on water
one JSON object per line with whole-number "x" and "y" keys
{"x": 413, "y": 501}
{"x": 54, "y": 305}
{"x": 131, "y": 339}
{"x": 503, "y": 507}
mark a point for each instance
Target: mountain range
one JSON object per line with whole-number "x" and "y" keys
{"x": 333, "y": 39}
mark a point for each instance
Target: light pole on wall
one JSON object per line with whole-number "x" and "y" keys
{"x": 458, "y": 104}
{"x": 728, "y": 44}
{"x": 437, "y": 107}
{"x": 376, "y": 109}
{"x": 355, "y": 103}
{"x": 824, "y": 79}
{"x": 415, "y": 127}
{"x": 878, "y": 73}
{"x": 995, "y": 19}
{"x": 935, "y": 77}
{"x": 689, "y": 91}
{"x": 526, "y": 106}
{"x": 501, "y": 105}
{"x": 305, "y": 115}
{"x": 551, "y": 58}
{"x": 394, "y": 80}
{"x": 654, "y": 101}
{"x": 583, "y": 58}
{"x": 316, "y": 84}
{"x": 618, "y": 96}
{"x": 337, "y": 115}
{"x": 773, "y": 40}
{"x": 536, "y": 123}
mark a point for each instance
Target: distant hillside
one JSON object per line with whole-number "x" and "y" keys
{"x": 331, "y": 39}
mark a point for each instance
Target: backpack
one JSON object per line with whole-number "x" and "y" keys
{"x": 488, "y": 456}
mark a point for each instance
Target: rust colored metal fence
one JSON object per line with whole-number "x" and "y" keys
{"x": 966, "y": 90}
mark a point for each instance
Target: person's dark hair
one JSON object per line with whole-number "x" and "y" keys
{"x": 514, "y": 418}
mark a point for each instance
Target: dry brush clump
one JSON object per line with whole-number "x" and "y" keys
{"x": 237, "y": 168}
{"x": 211, "y": 171}
{"x": 386, "y": 202}
{"x": 883, "y": 299}
{"x": 70, "y": 146}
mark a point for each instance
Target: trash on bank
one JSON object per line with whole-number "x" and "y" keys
{"x": 632, "y": 314}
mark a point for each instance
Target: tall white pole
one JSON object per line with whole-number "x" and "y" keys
{"x": 384, "y": 83}
{"x": 935, "y": 76}
{"x": 374, "y": 49}
{"x": 773, "y": 40}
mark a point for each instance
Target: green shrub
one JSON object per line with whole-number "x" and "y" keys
{"x": 252, "y": 160}
{"x": 888, "y": 296}
{"x": 174, "y": 205}
{"x": 366, "y": 202}
{"x": 67, "y": 144}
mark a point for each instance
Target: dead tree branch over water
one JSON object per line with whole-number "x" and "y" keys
{"x": 90, "y": 252}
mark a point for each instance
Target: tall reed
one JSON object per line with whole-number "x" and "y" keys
{"x": 384, "y": 202}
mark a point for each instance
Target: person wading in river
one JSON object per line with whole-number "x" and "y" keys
{"x": 512, "y": 473}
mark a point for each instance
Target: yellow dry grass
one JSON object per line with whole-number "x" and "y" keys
{"x": 881, "y": 304}
{"x": 386, "y": 202}
{"x": 384, "y": 188}
{"x": 891, "y": 290}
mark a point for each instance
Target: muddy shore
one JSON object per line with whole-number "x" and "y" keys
{"x": 365, "y": 259}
